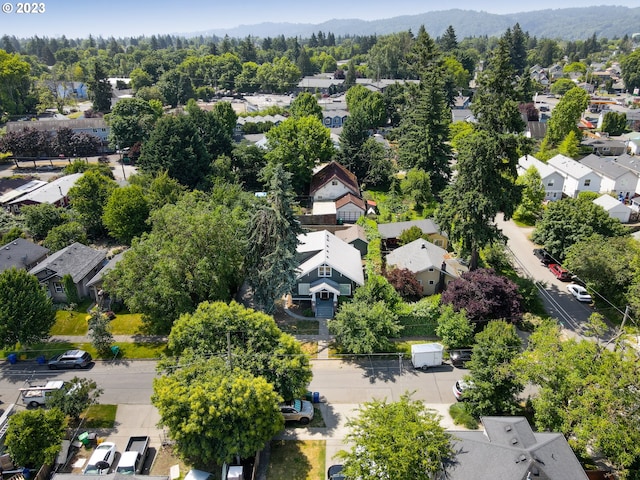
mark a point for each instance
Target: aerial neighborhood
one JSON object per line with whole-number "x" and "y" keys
{"x": 322, "y": 256}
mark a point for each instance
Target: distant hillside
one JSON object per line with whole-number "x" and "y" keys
{"x": 564, "y": 23}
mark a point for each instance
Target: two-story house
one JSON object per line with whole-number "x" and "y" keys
{"x": 616, "y": 179}
{"x": 577, "y": 177}
{"x": 552, "y": 180}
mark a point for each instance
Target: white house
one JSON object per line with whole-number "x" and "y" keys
{"x": 616, "y": 179}
{"x": 577, "y": 177}
{"x": 332, "y": 182}
{"x": 632, "y": 163}
{"x": 552, "y": 180}
{"x": 614, "y": 208}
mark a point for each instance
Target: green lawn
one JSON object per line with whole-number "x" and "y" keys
{"x": 72, "y": 322}
{"x": 100, "y": 416}
{"x": 126, "y": 324}
{"x": 297, "y": 460}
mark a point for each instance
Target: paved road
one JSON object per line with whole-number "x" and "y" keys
{"x": 558, "y": 302}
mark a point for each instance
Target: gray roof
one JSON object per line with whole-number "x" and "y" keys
{"x": 629, "y": 162}
{"x": 354, "y": 232}
{"x": 605, "y": 166}
{"x": 421, "y": 255}
{"x": 76, "y": 260}
{"x": 21, "y": 190}
{"x": 20, "y": 253}
{"x": 52, "y": 125}
{"x": 510, "y": 449}
{"x": 393, "y": 230}
{"x": 52, "y": 192}
{"x": 313, "y": 82}
{"x": 107, "y": 268}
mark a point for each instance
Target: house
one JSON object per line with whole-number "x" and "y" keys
{"x": 92, "y": 126}
{"x": 551, "y": 179}
{"x": 324, "y": 84}
{"x": 605, "y": 146}
{"x": 21, "y": 254}
{"x": 433, "y": 266}
{"x": 535, "y": 129}
{"x": 349, "y": 208}
{"x": 631, "y": 163}
{"x": 615, "y": 208}
{"x": 327, "y": 268}
{"x": 460, "y": 102}
{"x": 355, "y": 236}
{"x": 54, "y": 192}
{"x": 390, "y": 232}
{"x": 334, "y": 118}
{"x": 508, "y": 448}
{"x": 332, "y": 182}
{"x": 616, "y": 179}
{"x": 21, "y": 187}
{"x": 77, "y": 260}
{"x": 577, "y": 177}
{"x": 95, "y": 284}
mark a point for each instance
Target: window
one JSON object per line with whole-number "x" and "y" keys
{"x": 431, "y": 269}
{"x": 430, "y": 282}
{"x": 550, "y": 183}
{"x": 334, "y": 182}
{"x": 587, "y": 182}
{"x": 57, "y": 286}
{"x": 324, "y": 271}
{"x": 437, "y": 242}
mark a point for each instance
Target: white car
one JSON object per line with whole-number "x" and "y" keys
{"x": 579, "y": 292}
{"x": 101, "y": 459}
{"x": 459, "y": 387}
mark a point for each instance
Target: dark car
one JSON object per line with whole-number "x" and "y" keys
{"x": 71, "y": 359}
{"x": 544, "y": 256}
{"x": 460, "y": 357}
{"x": 560, "y": 272}
{"x": 335, "y": 473}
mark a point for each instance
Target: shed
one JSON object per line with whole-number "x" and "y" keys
{"x": 614, "y": 208}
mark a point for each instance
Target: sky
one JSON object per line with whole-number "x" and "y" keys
{"x": 123, "y": 18}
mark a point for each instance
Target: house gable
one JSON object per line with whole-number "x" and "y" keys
{"x": 332, "y": 182}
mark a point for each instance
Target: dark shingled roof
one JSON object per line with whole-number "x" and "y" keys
{"x": 20, "y": 253}
{"x": 76, "y": 260}
{"x": 335, "y": 170}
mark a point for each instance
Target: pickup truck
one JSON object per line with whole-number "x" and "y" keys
{"x": 133, "y": 457}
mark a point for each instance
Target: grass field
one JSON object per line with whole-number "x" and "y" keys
{"x": 297, "y": 460}
{"x": 100, "y": 416}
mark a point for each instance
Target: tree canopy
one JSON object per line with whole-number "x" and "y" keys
{"x": 215, "y": 413}
{"x": 88, "y": 197}
{"x": 567, "y": 221}
{"x": 33, "y": 437}
{"x": 26, "y": 313}
{"x": 402, "y": 439}
{"x": 253, "y": 340}
{"x": 484, "y": 295}
{"x": 126, "y": 212}
{"x": 193, "y": 253}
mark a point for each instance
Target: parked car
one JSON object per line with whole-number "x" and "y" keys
{"x": 579, "y": 292}
{"x": 297, "y": 410}
{"x": 71, "y": 359}
{"x": 460, "y": 357}
{"x": 459, "y": 387}
{"x": 560, "y": 272}
{"x": 544, "y": 256}
{"x": 335, "y": 473}
{"x": 101, "y": 459}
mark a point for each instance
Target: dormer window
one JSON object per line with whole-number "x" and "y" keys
{"x": 324, "y": 271}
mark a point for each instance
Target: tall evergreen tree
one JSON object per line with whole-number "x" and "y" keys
{"x": 449, "y": 42}
{"x": 273, "y": 239}
{"x": 484, "y": 185}
{"x": 99, "y": 87}
{"x": 518, "y": 49}
{"x": 425, "y": 132}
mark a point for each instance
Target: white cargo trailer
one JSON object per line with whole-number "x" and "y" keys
{"x": 425, "y": 355}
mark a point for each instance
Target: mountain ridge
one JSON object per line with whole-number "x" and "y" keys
{"x": 563, "y": 23}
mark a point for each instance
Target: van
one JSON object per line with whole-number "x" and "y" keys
{"x": 37, "y": 396}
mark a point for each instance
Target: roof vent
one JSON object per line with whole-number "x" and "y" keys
{"x": 514, "y": 441}
{"x": 508, "y": 428}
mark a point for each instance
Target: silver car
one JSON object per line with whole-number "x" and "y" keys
{"x": 71, "y": 359}
{"x": 297, "y": 410}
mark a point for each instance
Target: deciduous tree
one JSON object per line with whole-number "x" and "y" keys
{"x": 454, "y": 328}
{"x": 76, "y": 396}
{"x": 304, "y": 105}
{"x": 88, "y": 197}
{"x": 400, "y": 439}
{"x": 533, "y": 194}
{"x": 132, "y": 120}
{"x": 215, "y": 413}
{"x": 494, "y": 387}
{"x": 34, "y": 436}
{"x": 485, "y": 296}
{"x": 252, "y": 340}
{"x": 26, "y": 313}
{"x": 568, "y": 221}
{"x": 41, "y": 218}
{"x": 126, "y": 212}
{"x": 566, "y": 115}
